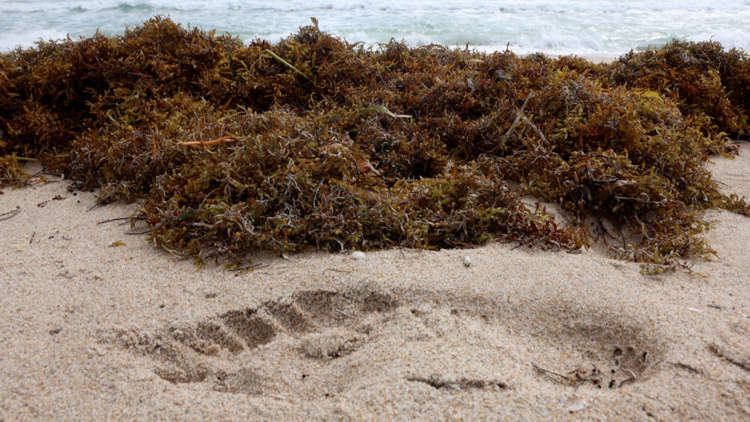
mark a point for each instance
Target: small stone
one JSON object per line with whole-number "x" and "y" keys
{"x": 467, "y": 262}
{"x": 577, "y": 406}
{"x": 358, "y": 255}
{"x": 453, "y": 386}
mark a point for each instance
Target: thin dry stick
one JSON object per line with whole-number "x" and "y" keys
{"x": 141, "y": 232}
{"x": 110, "y": 220}
{"x": 536, "y": 129}
{"x": 26, "y": 159}
{"x": 631, "y": 378}
{"x": 287, "y": 64}
{"x": 249, "y": 267}
{"x": 10, "y": 214}
{"x": 153, "y": 147}
{"x": 225, "y": 139}
{"x": 383, "y": 109}
{"x": 686, "y": 367}
{"x": 562, "y": 379}
{"x": 517, "y": 120}
{"x": 338, "y": 270}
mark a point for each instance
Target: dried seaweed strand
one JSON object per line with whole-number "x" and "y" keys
{"x": 10, "y": 214}
{"x": 287, "y": 64}
{"x": 222, "y": 140}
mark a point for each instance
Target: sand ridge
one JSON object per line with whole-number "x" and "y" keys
{"x": 93, "y": 330}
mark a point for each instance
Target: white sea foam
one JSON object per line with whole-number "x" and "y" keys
{"x": 586, "y": 27}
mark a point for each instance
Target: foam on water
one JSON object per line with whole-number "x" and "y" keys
{"x": 584, "y": 27}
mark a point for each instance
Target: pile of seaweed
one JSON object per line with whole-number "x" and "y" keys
{"x": 315, "y": 142}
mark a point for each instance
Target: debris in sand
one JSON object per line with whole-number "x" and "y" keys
{"x": 438, "y": 382}
{"x": 10, "y": 214}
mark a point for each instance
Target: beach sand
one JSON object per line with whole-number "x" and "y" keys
{"x": 96, "y": 331}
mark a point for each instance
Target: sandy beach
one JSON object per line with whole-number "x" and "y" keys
{"x": 99, "y": 325}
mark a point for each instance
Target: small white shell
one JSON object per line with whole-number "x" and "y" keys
{"x": 467, "y": 262}
{"x": 358, "y": 255}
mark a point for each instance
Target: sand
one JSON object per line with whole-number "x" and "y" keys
{"x": 95, "y": 331}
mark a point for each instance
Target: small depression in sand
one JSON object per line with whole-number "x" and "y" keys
{"x": 598, "y": 349}
{"x": 344, "y": 340}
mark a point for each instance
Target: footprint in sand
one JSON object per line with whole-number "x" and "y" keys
{"x": 324, "y": 323}
{"x": 568, "y": 346}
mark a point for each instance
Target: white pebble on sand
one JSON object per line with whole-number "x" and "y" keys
{"x": 358, "y": 255}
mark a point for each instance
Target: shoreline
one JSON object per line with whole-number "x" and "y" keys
{"x": 593, "y": 58}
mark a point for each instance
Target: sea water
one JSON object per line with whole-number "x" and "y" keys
{"x": 583, "y": 27}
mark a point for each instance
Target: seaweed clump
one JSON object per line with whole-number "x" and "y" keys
{"x": 315, "y": 142}
{"x": 709, "y": 85}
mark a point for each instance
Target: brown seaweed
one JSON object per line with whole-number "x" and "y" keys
{"x": 315, "y": 142}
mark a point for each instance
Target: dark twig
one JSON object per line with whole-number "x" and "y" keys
{"x": 462, "y": 383}
{"x": 10, "y": 214}
{"x": 687, "y": 367}
{"x": 248, "y": 267}
{"x": 110, "y": 220}
{"x": 141, "y": 232}
{"x": 554, "y": 376}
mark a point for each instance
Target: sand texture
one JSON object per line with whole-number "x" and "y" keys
{"x": 96, "y": 331}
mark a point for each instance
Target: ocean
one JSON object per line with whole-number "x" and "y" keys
{"x": 583, "y": 27}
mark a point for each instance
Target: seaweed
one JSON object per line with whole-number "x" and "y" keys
{"x": 313, "y": 142}
{"x": 703, "y": 79}
{"x": 11, "y": 171}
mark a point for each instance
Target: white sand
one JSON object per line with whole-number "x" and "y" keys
{"x": 94, "y": 332}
